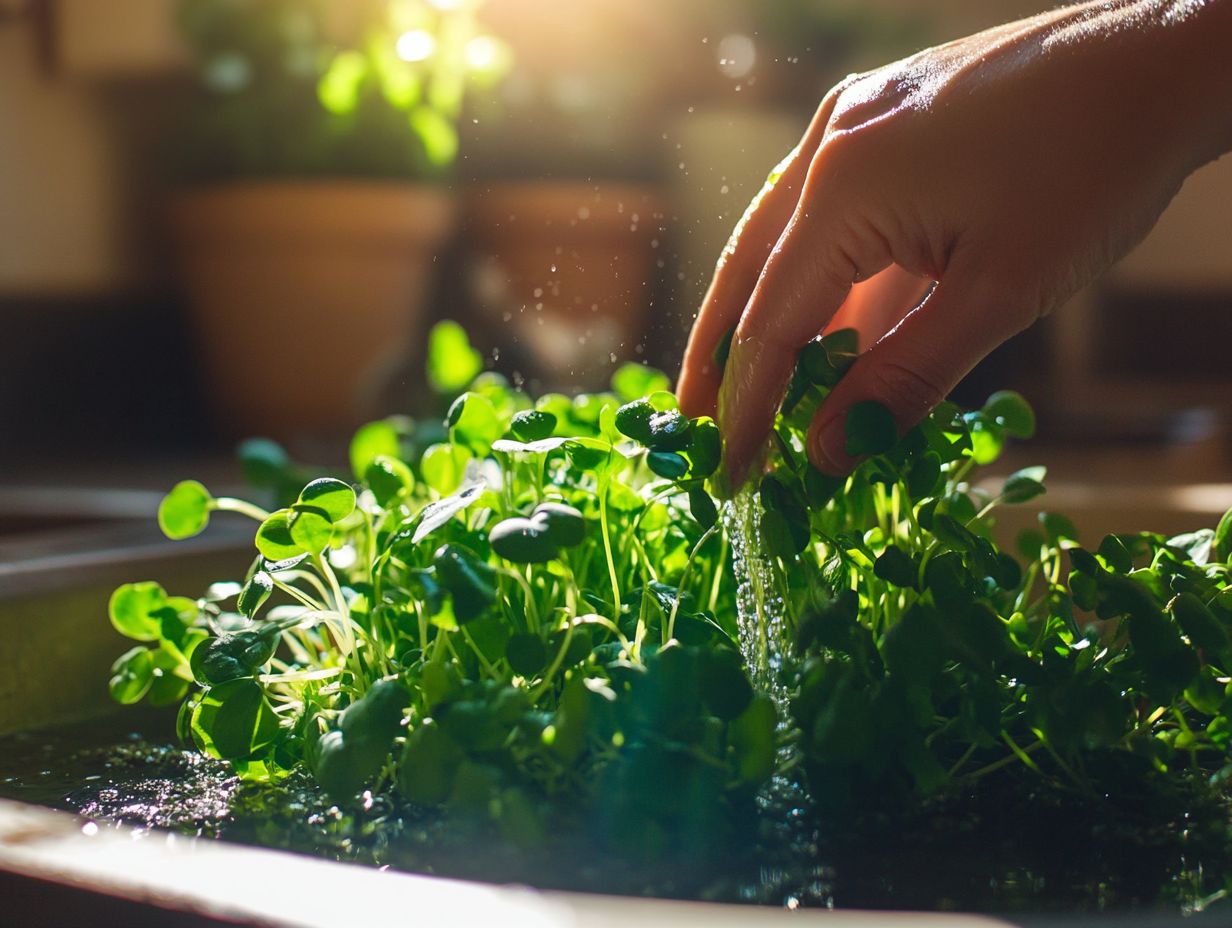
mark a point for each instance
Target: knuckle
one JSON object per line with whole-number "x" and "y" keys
{"x": 909, "y": 389}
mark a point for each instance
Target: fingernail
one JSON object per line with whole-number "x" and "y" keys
{"x": 827, "y": 448}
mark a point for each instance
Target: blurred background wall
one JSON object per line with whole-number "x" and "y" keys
{"x": 588, "y": 179}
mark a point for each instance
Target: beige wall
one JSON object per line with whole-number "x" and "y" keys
{"x": 66, "y": 215}
{"x": 61, "y": 212}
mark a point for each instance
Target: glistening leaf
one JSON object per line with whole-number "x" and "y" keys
{"x": 436, "y": 514}
{"x": 522, "y": 541}
{"x": 561, "y": 524}
{"x": 234, "y": 720}
{"x": 131, "y": 675}
{"x": 531, "y": 425}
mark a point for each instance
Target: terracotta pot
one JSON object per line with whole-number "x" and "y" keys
{"x": 568, "y": 271}
{"x": 306, "y": 296}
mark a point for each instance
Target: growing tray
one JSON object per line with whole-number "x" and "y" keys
{"x": 60, "y": 869}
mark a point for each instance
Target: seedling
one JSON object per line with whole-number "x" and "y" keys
{"x": 516, "y": 617}
{"x": 538, "y": 613}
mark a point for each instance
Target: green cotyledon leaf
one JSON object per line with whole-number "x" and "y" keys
{"x": 185, "y": 511}
{"x": 870, "y": 429}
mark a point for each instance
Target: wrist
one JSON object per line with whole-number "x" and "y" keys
{"x": 1195, "y": 38}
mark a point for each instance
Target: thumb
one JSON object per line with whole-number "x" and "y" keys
{"x": 915, "y": 366}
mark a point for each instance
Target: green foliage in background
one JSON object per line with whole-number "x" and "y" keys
{"x": 366, "y": 88}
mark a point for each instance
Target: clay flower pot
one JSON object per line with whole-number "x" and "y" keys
{"x": 568, "y": 271}
{"x": 306, "y": 296}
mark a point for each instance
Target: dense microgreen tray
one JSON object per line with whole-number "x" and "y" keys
{"x": 532, "y": 606}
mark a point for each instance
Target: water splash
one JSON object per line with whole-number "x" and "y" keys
{"x": 760, "y": 609}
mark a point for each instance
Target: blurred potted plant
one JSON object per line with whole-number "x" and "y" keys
{"x": 565, "y": 221}
{"x": 315, "y": 148}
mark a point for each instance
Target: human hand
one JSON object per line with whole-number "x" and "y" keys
{"x": 1010, "y": 167}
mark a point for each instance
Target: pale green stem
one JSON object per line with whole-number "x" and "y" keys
{"x": 684, "y": 576}
{"x": 244, "y": 508}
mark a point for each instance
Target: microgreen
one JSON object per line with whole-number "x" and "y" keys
{"x": 530, "y": 610}
{"x": 927, "y": 657}
{"x": 539, "y": 608}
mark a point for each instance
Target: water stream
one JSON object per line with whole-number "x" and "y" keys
{"x": 759, "y": 604}
{"x": 783, "y": 802}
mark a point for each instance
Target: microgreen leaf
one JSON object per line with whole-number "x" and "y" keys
{"x": 274, "y": 539}
{"x": 896, "y": 566}
{"x": 1023, "y": 485}
{"x": 1199, "y": 623}
{"x": 443, "y": 467}
{"x": 1009, "y": 410}
{"x": 633, "y": 420}
{"x": 234, "y": 720}
{"x": 374, "y": 440}
{"x": 669, "y": 430}
{"x": 633, "y": 381}
{"x": 133, "y": 610}
{"x": 388, "y": 478}
{"x": 473, "y": 423}
{"x": 870, "y": 429}
{"x": 185, "y": 511}
{"x": 334, "y": 498}
{"x": 560, "y": 524}
{"x": 667, "y": 464}
{"x": 533, "y": 425}
{"x": 254, "y": 593}
{"x": 522, "y": 541}
{"x": 702, "y": 507}
{"x": 311, "y": 529}
{"x": 1222, "y": 546}
{"x": 229, "y": 657}
{"x": 452, "y": 362}
{"x": 131, "y": 675}
{"x": 468, "y": 579}
{"x": 705, "y": 448}
{"x": 435, "y": 515}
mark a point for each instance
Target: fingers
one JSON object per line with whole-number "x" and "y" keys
{"x": 741, "y": 265}
{"x": 878, "y": 304}
{"x": 912, "y": 368}
{"x": 798, "y": 292}
{"x": 806, "y": 279}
